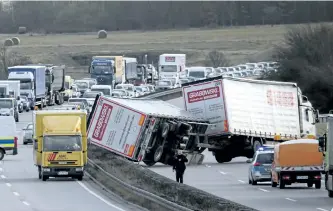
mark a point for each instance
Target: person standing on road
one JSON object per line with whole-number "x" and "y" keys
{"x": 179, "y": 166}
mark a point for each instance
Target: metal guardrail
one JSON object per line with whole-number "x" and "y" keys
{"x": 141, "y": 193}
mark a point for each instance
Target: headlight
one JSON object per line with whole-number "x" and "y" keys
{"x": 48, "y": 170}
{"x": 79, "y": 169}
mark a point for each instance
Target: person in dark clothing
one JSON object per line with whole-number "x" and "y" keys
{"x": 179, "y": 166}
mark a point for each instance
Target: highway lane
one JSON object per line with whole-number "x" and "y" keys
{"x": 20, "y": 188}
{"x": 230, "y": 181}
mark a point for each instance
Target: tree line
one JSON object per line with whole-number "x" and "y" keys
{"x": 72, "y": 16}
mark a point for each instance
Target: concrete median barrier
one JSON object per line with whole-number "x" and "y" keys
{"x": 144, "y": 179}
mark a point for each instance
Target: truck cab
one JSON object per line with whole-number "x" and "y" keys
{"x": 8, "y": 138}
{"x": 171, "y": 65}
{"x": 60, "y": 143}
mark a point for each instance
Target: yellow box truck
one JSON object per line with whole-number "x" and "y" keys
{"x": 60, "y": 143}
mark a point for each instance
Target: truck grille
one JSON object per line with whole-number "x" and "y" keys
{"x": 62, "y": 169}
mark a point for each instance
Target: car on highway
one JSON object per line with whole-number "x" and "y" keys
{"x": 260, "y": 166}
{"x": 79, "y": 100}
{"x": 26, "y": 103}
{"x": 27, "y": 137}
{"x": 164, "y": 84}
{"x": 142, "y": 90}
{"x": 90, "y": 96}
{"x": 129, "y": 88}
{"x": 120, "y": 93}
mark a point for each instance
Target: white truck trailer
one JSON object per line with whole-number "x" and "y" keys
{"x": 247, "y": 114}
{"x": 142, "y": 130}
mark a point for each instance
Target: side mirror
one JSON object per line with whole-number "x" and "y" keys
{"x": 249, "y": 161}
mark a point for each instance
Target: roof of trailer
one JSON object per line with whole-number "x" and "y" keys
{"x": 156, "y": 108}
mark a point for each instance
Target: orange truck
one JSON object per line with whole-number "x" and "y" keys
{"x": 297, "y": 161}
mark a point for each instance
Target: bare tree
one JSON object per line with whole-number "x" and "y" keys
{"x": 216, "y": 59}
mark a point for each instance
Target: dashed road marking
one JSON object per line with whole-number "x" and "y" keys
{"x": 26, "y": 203}
{"x": 1, "y": 169}
{"x": 289, "y": 199}
{"x": 321, "y": 209}
{"x": 3, "y": 176}
{"x": 241, "y": 181}
{"x": 223, "y": 173}
{"x": 208, "y": 166}
{"x": 263, "y": 190}
{"x": 8, "y": 184}
{"x": 16, "y": 193}
{"x": 99, "y": 197}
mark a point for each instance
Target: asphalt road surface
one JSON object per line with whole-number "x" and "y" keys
{"x": 21, "y": 190}
{"x": 230, "y": 181}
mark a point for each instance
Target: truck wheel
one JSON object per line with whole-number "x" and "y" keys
{"x": 2, "y": 154}
{"x": 158, "y": 153}
{"x": 282, "y": 184}
{"x": 330, "y": 193}
{"x": 39, "y": 172}
{"x": 80, "y": 178}
{"x": 164, "y": 130}
{"x": 44, "y": 178}
{"x": 183, "y": 128}
{"x": 252, "y": 181}
{"x": 318, "y": 184}
{"x": 310, "y": 184}
{"x": 221, "y": 157}
{"x": 274, "y": 184}
{"x": 149, "y": 162}
{"x": 17, "y": 118}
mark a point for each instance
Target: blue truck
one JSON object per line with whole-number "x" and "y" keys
{"x": 32, "y": 83}
{"x": 102, "y": 69}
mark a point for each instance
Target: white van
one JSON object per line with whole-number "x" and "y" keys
{"x": 198, "y": 73}
{"x": 8, "y": 136}
{"x": 106, "y": 89}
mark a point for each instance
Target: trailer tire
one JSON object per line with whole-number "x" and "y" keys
{"x": 330, "y": 193}
{"x": 318, "y": 184}
{"x": 164, "y": 130}
{"x": 149, "y": 162}
{"x": 158, "y": 153}
{"x": 220, "y": 157}
{"x": 183, "y": 128}
{"x": 256, "y": 144}
{"x": 274, "y": 184}
{"x": 310, "y": 184}
{"x": 282, "y": 184}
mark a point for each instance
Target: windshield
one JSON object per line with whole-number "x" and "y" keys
{"x": 62, "y": 143}
{"x": 237, "y": 75}
{"x": 81, "y": 85}
{"x": 6, "y": 103}
{"x": 197, "y": 74}
{"x": 139, "y": 89}
{"x": 169, "y": 68}
{"x": 101, "y": 69}
{"x": 90, "y": 94}
{"x": 25, "y": 85}
{"x": 164, "y": 83}
{"x": 67, "y": 85}
{"x": 76, "y": 100}
{"x": 182, "y": 81}
{"x": 104, "y": 91}
{"x": 266, "y": 158}
{"x": 129, "y": 88}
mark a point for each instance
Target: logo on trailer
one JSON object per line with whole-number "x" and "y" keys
{"x": 203, "y": 94}
{"x": 170, "y": 59}
{"x": 102, "y": 121}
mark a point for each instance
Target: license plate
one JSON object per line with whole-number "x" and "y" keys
{"x": 302, "y": 177}
{"x": 62, "y": 173}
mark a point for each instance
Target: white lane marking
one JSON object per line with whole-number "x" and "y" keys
{"x": 241, "y": 181}
{"x": 8, "y": 184}
{"x": 263, "y": 190}
{"x": 0, "y": 169}
{"x": 99, "y": 197}
{"x": 291, "y": 199}
{"x": 208, "y": 166}
{"x": 16, "y": 193}
{"x": 223, "y": 173}
{"x": 26, "y": 203}
{"x": 3, "y": 176}
{"x": 321, "y": 209}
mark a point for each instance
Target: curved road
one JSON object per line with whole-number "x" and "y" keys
{"x": 230, "y": 181}
{"x": 21, "y": 190}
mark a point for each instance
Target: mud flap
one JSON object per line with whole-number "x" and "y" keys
{"x": 195, "y": 158}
